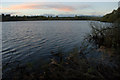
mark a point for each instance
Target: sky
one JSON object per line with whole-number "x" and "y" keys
{"x": 60, "y": 7}
{"x": 60, "y": 0}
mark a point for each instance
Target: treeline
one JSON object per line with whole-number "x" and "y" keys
{"x": 8, "y": 17}
{"x": 112, "y": 17}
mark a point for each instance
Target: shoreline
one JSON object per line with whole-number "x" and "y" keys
{"x": 50, "y": 20}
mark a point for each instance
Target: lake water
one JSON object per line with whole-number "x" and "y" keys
{"x": 32, "y": 41}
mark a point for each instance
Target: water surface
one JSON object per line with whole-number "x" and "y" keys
{"x": 31, "y": 41}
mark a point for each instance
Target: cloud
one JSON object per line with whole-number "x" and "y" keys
{"x": 47, "y": 6}
{"x": 25, "y": 6}
{"x": 21, "y": 7}
{"x": 84, "y": 6}
{"x": 60, "y": 7}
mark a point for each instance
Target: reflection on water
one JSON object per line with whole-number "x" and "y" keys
{"x": 34, "y": 40}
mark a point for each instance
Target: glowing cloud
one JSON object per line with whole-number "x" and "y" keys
{"x": 26, "y": 6}
{"x": 21, "y": 6}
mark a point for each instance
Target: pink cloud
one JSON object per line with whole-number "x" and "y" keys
{"x": 26, "y": 6}
{"x": 63, "y": 9}
{"x": 21, "y": 6}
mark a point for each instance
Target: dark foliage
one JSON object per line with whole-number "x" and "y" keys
{"x": 8, "y": 17}
{"x": 112, "y": 17}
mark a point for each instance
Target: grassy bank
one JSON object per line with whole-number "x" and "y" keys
{"x": 105, "y": 35}
{"x": 114, "y": 16}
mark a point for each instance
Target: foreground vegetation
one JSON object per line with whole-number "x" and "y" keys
{"x": 75, "y": 66}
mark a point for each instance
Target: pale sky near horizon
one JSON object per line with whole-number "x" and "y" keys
{"x": 57, "y": 8}
{"x": 60, "y": 0}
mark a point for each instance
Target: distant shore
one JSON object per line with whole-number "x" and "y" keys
{"x": 8, "y": 17}
{"x": 50, "y": 20}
